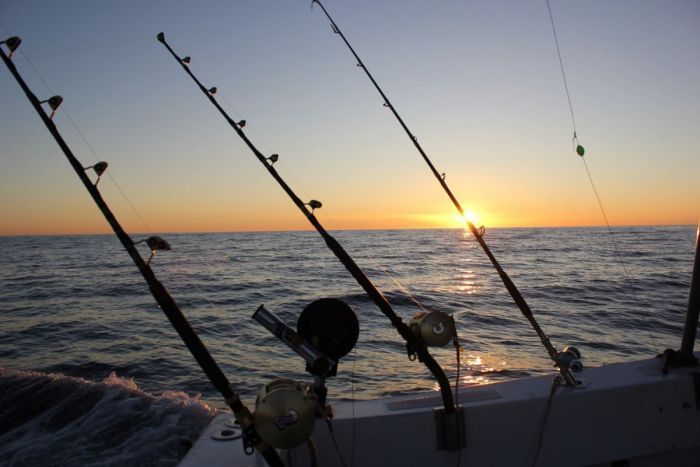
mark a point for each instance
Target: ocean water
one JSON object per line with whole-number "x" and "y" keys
{"x": 91, "y": 373}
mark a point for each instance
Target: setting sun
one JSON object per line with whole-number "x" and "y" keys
{"x": 458, "y": 221}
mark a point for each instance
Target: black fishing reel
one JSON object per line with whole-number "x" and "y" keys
{"x": 569, "y": 358}
{"x": 331, "y": 326}
{"x": 327, "y": 330}
{"x": 285, "y": 410}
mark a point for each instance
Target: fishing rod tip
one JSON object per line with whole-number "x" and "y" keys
{"x": 161, "y": 37}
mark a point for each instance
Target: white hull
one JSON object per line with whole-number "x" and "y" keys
{"x": 627, "y": 414}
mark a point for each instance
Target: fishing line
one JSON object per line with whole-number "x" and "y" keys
{"x": 458, "y": 351}
{"x": 90, "y": 47}
{"x": 581, "y": 152}
{"x": 92, "y": 150}
{"x": 307, "y": 208}
{"x": 335, "y": 442}
{"x": 561, "y": 65}
{"x": 477, "y": 232}
{"x": 404, "y": 290}
{"x": 456, "y": 343}
{"x": 555, "y": 385}
{"x": 165, "y": 301}
{"x": 87, "y": 143}
{"x": 600, "y": 203}
{"x": 268, "y": 149}
{"x": 577, "y": 147}
{"x": 109, "y": 174}
{"x": 145, "y": 225}
{"x": 352, "y": 393}
{"x": 97, "y": 158}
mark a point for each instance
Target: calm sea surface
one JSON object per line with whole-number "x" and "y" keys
{"x": 77, "y": 309}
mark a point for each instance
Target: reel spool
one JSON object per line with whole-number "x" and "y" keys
{"x": 330, "y": 325}
{"x": 434, "y": 329}
{"x": 284, "y": 414}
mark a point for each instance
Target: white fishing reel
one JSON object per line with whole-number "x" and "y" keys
{"x": 434, "y": 329}
{"x": 284, "y": 413}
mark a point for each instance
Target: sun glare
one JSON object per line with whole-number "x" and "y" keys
{"x": 461, "y": 221}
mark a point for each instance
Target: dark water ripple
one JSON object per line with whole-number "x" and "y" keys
{"x": 76, "y": 306}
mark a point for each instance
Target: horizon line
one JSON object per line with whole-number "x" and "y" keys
{"x": 310, "y": 229}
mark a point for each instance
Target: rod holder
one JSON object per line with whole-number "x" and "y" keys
{"x": 450, "y": 431}
{"x": 318, "y": 363}
{"x": 691, "y": 315}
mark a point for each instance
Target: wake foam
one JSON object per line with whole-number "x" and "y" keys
{"x": 56, "y": 420}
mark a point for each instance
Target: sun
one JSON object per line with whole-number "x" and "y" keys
{"x": 458, "y": 220}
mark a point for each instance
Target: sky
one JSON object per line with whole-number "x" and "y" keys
{"x": 479, "y": 84}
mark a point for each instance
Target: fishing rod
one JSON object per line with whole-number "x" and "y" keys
{"x": 478, "y": 233}
{"x": 413, "y": 344}
{"x": 159, "y": 292}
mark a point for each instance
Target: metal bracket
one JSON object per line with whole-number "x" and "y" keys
{"x": 580, "y": 383}
{"x": 250, "y": 440}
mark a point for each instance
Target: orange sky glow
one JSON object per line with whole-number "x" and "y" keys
{"x": 481, "y": 89}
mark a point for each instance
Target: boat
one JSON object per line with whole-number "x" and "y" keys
{"x": 627, "y": 414}
{"x": 636, "y": 413}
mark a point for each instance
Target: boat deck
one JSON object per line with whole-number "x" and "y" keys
{"x": 624, "y": 412}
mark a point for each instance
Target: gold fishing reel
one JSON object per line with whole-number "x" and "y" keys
{"x": 284, "y": 413}
{"x": 434, "y": 328}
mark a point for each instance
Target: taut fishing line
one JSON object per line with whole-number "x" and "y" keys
{"x": 457, "y": 346}
{"x": 90, "y": 47}
{"x": 165, "y": 301}
{"x": 268, "y": 149}
{"x": 404, "y": 290}
{"x": 579, "y": 149}
{"x": 87, "y": 143}
{"x": 92, "y": 150}
{"x": 477, "y": 232}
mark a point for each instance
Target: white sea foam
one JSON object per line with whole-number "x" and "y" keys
{"x": 56, "y": 420}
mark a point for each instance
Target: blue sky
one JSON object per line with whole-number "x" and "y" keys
{"x": 477, "y": 82}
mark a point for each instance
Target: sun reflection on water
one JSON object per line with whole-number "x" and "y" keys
{"x": 467, "y": 283}
{"x": 477, "y": 370}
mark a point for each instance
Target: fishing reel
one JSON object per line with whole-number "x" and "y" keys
{"x": 434, "y": 329}
{"x": 285, "y": 413}
{"x": 285, "y": 410}
{"x": 331, "y": 326}
{"x": 569, "y": 358}
{"x": 327, "y": 330}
